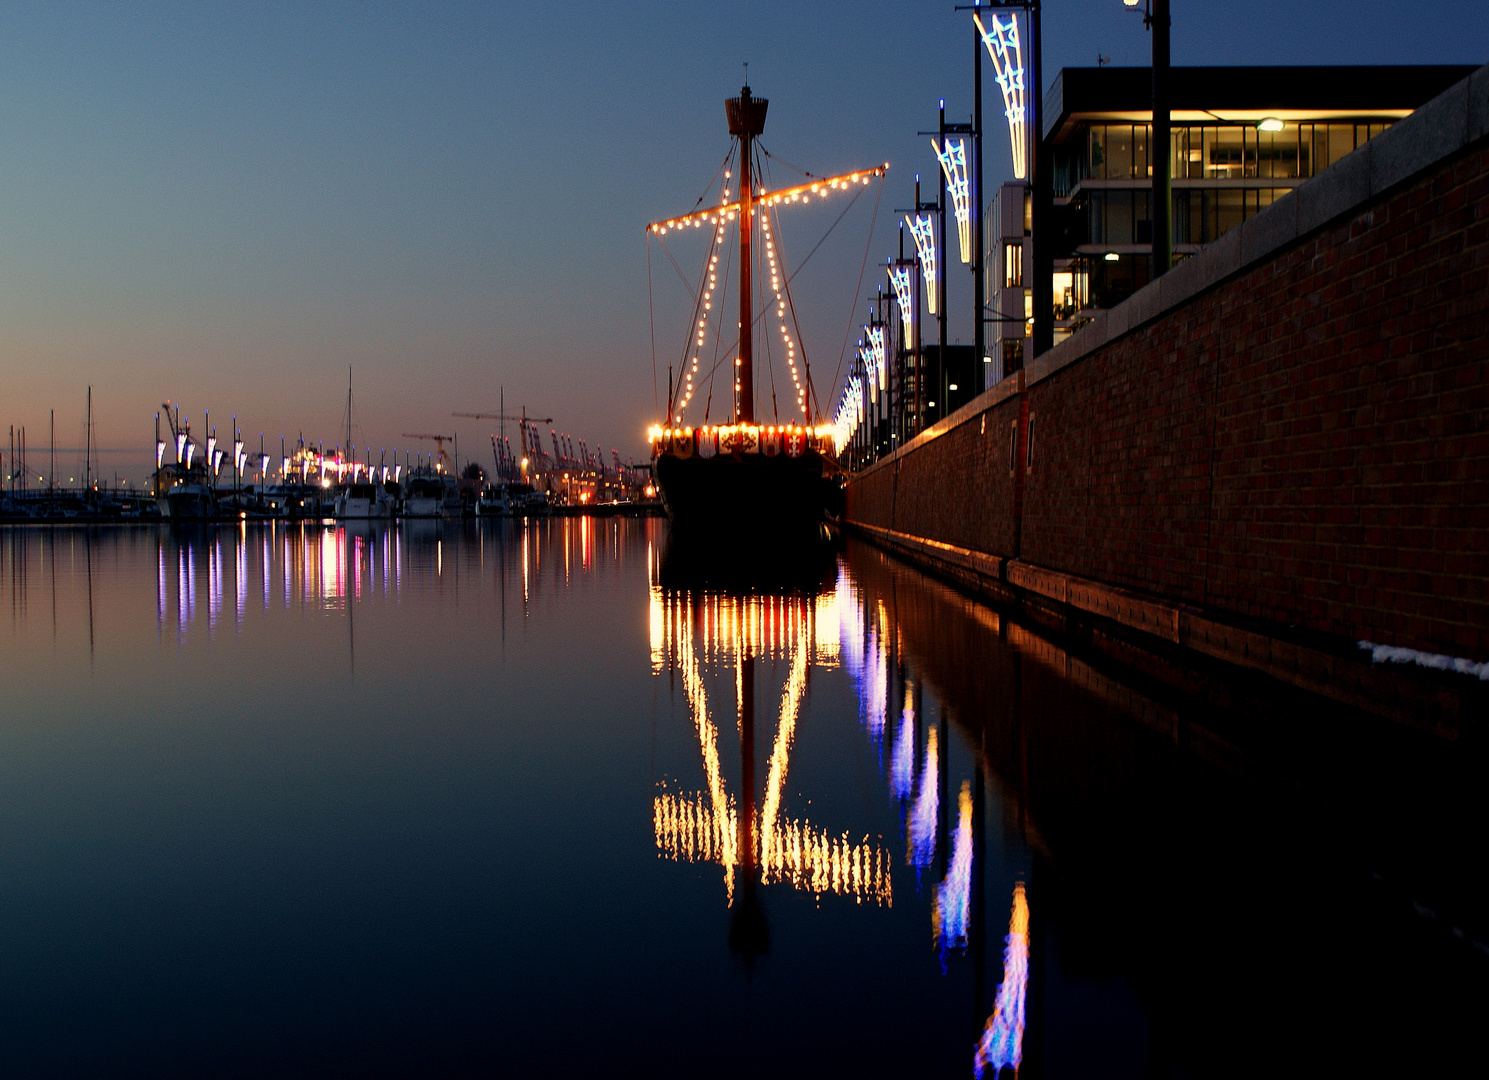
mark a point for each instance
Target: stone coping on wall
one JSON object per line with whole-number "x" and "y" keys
{"x": 1445, "y": 126}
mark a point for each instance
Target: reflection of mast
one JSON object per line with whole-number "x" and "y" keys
{"x": 748, "y": 932}
{"x": 702, "y": 826}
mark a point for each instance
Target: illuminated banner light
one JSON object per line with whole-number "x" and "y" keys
{"x": 866, "y": 358}
{"x": 190, "y": 450}
{"x": 953, "y": 159}
{"x": 876, "y": 347}
{"x": 159, "y": 453}
{"x": 904, "y": 294}
{"x": 1002, "y": 1043}
{"x": 1008, "y": 58}
{"x": 923, "y": 229}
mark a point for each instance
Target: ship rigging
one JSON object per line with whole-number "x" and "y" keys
{"x": 779, "y": 471}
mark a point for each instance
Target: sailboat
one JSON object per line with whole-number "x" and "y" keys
{"x": 754, "y": 473}
{"x": 182, "y": 481}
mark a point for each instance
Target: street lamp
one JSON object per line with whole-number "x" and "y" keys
{"x": 1155, "y": 18}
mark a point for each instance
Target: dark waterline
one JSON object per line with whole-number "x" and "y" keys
{"x": 548, "y": 798}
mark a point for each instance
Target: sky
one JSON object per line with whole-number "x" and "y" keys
{"x": 229, "y": 206}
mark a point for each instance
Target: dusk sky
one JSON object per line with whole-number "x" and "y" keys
{"x": 227, "y": 206}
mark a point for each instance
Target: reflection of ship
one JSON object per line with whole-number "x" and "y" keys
{"x": 747, "y": 474}
{"x": 699, "y": 632}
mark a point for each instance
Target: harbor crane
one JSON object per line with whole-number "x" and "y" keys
{"x": 502, "y": 416}
{"x": 438, "y": 440}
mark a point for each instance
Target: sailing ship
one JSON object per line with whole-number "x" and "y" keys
{"x": 752, "y": 473}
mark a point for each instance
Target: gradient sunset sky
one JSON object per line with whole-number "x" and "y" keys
{"x": 228, "y": 205}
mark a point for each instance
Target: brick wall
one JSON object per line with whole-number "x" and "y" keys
{"x": 1303, "y": 442}
{"x": 970, "y": 458}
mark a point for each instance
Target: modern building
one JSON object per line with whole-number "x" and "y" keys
{"x": 1241, "y": 138}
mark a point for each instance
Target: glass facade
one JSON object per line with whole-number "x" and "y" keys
{"x": 1209, "y": 152}
{"x": 1223, "y": 173}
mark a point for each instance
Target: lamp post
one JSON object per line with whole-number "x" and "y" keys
{"x": 1155, "y": 18}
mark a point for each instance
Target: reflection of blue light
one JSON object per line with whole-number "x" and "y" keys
{"x": 902, "y": 758}
{"x": 953, "y": 896}
{"x": 877, "y": 677}
{"x": 924, "y": 817}
{"x": 1002, "y": 1043}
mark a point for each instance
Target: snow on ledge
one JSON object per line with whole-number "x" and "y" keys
{"x": 1382, "y": 654}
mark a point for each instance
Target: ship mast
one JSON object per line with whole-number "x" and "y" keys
{"x": 746, "y": 121}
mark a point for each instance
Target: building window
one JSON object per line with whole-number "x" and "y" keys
{"x": 1013, "y": 265}
{"x": 1013, "y": 355}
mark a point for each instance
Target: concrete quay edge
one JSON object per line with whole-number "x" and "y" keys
{"x": 1388, "y": 692}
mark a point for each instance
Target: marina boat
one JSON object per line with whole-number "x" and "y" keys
{"x": 754, "y": 472}
{"x": 430, "y": 493}
{"x": 181, "y": 483}
{"x": 511, "y": 500}
{"x": 367, "y": 500}
{"x": 291, "y": 500}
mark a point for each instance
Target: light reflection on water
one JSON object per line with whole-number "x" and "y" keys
{"x": 420, "y": 782}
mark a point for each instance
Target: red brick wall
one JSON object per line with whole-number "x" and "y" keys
{"x": 1307, "y": 443}
{"x": 972, "y": 459}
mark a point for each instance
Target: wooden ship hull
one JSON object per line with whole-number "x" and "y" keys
{"x": 743, "y": 494}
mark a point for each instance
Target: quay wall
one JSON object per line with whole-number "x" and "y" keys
{"x": 1276, "y": 450}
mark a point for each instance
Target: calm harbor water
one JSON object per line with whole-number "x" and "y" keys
{"x": 545, "y": 798}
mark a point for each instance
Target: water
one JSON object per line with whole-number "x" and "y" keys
{"x": 466, "y": 799}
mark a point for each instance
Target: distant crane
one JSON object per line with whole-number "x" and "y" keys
{"x": 501, "y": 416}
{"x": 439, "y": 440}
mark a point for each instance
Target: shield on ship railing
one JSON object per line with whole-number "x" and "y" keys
{"x": 746, "y": 441}
{"x": 770, "y": 442}
{"x": 682, "y": 442}
{"x": 708, "y": 442}
{"x": 795, "y": 443}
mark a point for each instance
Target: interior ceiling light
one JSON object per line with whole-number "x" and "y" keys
{"x": 1270, "y": 123}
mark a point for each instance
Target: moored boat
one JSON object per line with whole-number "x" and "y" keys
{"x": 750, "y": 474}
{"x": 363, "y": 500}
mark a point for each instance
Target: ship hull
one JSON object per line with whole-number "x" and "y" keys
{"x": 732, "y": 495}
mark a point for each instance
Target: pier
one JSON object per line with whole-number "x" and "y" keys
{"x": 1274, "y": 456}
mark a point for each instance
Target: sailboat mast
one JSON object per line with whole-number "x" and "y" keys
{"x": 348, "y": 452}
{"x": 746, "y": 121}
